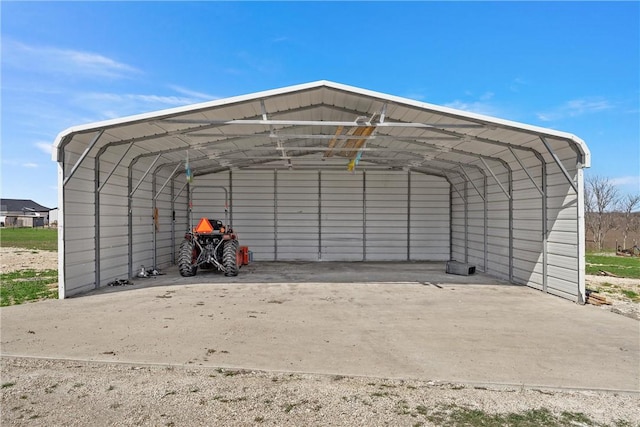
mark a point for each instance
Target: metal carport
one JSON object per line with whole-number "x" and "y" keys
{"x": 324, "y": 171}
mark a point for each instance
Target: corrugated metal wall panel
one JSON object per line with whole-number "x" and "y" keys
{"x": 386, "y": 216}
{"x": 208, "y": 197}
{"x": 163, "y": 237}
{"x": 527, "y": 232}
{"x": 142, "y": 221}
{"x": 79, "y": 229}
{"x": 341, "y": 206}
{"x": 563, "y": 232}
{"x": 458, "y": 220}
{"x": 429, "y": 218}
{"x": 253, "y": 211}
{"x": 297, "y": 215}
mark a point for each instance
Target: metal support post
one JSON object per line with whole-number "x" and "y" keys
{"x": 486, "y": 223}
{"x": 408, "y": 215}
{"x": 173, "y": 224}
{"x": 153, "y": 218}
{"x": 581, "y": 299}
{"x": 275, "y": 215}
{"x": 319, "y": 215}
{"x": 96, "y": 201}
{"x": 466, "y": 222}
{"x": 364, "y": 215}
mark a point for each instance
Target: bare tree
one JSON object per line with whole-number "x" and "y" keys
{"x": 601, "y": 198}
{"x": 630, "y": 223}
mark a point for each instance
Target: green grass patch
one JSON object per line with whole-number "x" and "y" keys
{"x": 453, "y": 415}
{"x": 620, "y": 266}
{"x": 27, "y": 285}
{"x": 44, "y": 239}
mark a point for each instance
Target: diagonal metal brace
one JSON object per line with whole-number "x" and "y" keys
{"x": 524, "y": 168}
{"x": 559, "y": 163}
{"x": 75, "y": 167}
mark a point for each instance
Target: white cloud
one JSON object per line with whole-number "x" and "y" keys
{"x": 30, "y": 165}
{"x": 626, "y": 181}
{"x": 106, "y": 105}
{"x": 47, "y": 59}
{"x": 575, "y": 108}
{"x": 479, "y": 107}
{"x": 415, "y": 96}
{"x": 45, "y": 147}
{"x": 193, "y": 93}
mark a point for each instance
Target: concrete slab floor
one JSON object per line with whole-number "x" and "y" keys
{"x": 392, "y": 320}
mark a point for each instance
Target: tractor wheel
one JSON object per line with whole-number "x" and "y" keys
{"x": 230, "y": 258}
{"x": 186, "y": 258}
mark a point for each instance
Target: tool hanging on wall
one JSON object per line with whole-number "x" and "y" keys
{"x": 187, "y": 170}
{"x": 156, "y": 219}
{"x": 351, "y": 167}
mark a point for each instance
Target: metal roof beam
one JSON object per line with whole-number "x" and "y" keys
{"x": 317, "y": 123}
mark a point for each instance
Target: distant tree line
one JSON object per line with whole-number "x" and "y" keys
{"x": 606, "y": 210}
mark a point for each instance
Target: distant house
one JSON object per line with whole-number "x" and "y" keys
{"x": 53, "y": 217}
{"x": 23, "y": 213}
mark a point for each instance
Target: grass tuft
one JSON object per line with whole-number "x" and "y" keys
{"x": 27, "y": 285}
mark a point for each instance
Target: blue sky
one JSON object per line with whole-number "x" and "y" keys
{"x": 570, "y": 66}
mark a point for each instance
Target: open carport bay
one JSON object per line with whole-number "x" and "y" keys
{"x": 402, "y": 320}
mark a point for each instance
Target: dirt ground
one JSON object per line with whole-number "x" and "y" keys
{"x": 41, "y": 391}
{"x": 13, "y": 259}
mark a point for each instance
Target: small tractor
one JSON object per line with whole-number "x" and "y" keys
{"x": 210, "y": 245}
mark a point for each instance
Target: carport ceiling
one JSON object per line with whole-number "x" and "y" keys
{"x": 302, "y": 126}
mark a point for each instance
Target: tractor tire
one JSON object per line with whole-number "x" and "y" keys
{"x": 185, "y": 259}
{"x": 230, "y": 258}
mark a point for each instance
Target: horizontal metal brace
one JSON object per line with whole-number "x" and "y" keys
{"x": 318, "y": 123}
{"x": 496, "y": 178}
{"x": 145, "y": 175}
{"x": 167, "y": 181}
{"x": 560, "y": 165}
{"x": 84, "y": 154}
{"x": 524, "y": 168}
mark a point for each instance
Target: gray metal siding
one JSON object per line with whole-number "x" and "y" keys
{"x": 342, "y": 217}
{"x": 429, "y": 218}
{"x": 387, "y": 216}
{"x": 253, "y": 211}
{"x": 296, "y": 219}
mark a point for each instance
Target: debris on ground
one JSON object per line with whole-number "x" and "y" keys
{"x": 120, "y": 282}
{"x": 595, "y": 298}
{"x": 606, "y": 273}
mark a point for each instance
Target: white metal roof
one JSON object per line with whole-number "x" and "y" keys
{"x": 304, "y": 125}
